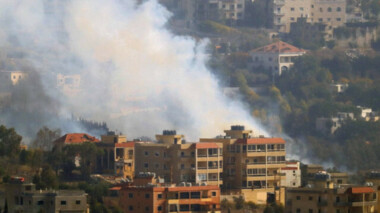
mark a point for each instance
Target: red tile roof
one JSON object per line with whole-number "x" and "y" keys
{"x": 205, "y": 145}
{"x": 360, "y": 190}
{"x": 279, "y": 47}
{"x": 261, "y": 141}
{"x": 73, "y": 138}
{"x": 115, "y": 188}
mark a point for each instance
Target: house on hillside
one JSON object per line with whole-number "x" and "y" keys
{"x": 330, "y": 125}
{"x": 276, "y": 57}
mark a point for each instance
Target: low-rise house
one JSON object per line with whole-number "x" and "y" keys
{"x": 23, "y": 197}
{"x": 276, "y": 57}
{"x": 338, "y": 87}
{"x": 325, "y": 200}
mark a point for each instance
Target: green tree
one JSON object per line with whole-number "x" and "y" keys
{"x": 45, "y": 137}
{"x": 239, "y": 202}
{"x": 9, "y": 142}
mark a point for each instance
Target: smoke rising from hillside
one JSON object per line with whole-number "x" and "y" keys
{"x": 135, "y": 74}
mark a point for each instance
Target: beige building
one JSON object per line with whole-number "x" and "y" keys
{"x": 276, "y": 57}
{"x": 232, "y": 9}
{"x": 331, "y": 200}
{"x": 252, "y": 165}
{"x": 68, "y": 84}
{"x": 11, "y": 78}
{"x": 178, "y": 162}
{"x": 292, "y": 174}
{"x": 118, "y": 156}
{"x": 285, "y": 12}
{"x": 23, "y": 197}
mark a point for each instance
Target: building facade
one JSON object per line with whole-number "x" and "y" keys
{"x": 252, "y": 166}
{"x": 285, "y": 12}
{"x": 23, "y": 197}
{"x": 276, "y": 57}
{"x": 153, "y": 197}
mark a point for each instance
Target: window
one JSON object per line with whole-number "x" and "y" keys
{"x": 338, "y": 19}
{"x": 159, "y": 196}
{"x": 184, "y": 208}
{"x": 63, "y": 202}
{"x": 292, "y": 19}
{"x": 239, "y": 6}
{"x": 310, "y": 210}
{"x": 320, "y": 9}
{"x": 329, "y": 9}
{"x": 320, "y": 19}
{"x": 213, "y": 194}
{"x": 146, "y": 165}
{"x": 195, "y": 195}
{"x": 338, "y": 9}
{"x": 270, "y": 58}
{"x": 298, "y": 197}
{"x": 301, "y": 8}
{"x": 182, "y": 154}
{"x": 146, "y": 153}
{"x": 147, "y": 196}
{"x": 298, "y": 210}
{"x": 147, "y": 208}
{"x": 184, "y": 195}
{"x": 77, "y": 202}
{"x": 157, "y": 165}
{"x": 159, "y": 208}
{"x": 310, "y": 198}
{"x": 337, "y": 199}
{"x": 40, "y": 202}
{"x": 182, "y": 166}
{"x": 130, "y": 195}
{"x": 292, "y": 9}
{"x": 130, "y": 208}
{"x": 156, "y": 154}
{"x": 338, "y": 211}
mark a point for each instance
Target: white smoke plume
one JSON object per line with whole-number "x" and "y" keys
{"x": 135, "y": 74}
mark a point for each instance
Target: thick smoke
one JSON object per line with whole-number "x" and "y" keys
{"x": 135, "y": 74}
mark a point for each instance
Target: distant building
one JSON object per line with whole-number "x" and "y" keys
{"x": 367, "y": 114}
{"x": 12, "y": 77}
{"x": 285, "y": 12}
{"x": 330, "y": 125}
{"x": 23, "y": 197}
{"x": 326, "y": 200}
{"x": 338, "y": 87}
{"x": 68, "y": 84}
{"x": 276, "y": 57}
{"x": 155, "y": 197}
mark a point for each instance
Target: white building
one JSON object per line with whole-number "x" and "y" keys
{"x": 276, "y": 57}
{"x": 338, "y": 87}
{"x": 292, "y": 173}
{"x": 331, "y": 12}
{"x": 68, "y": 84}
{"x": 330, "y": 125}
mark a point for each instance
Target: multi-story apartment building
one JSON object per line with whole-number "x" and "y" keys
{"x": 155, "y": 197}
{"x": 170, "y": 158}
{"x": 23, "y": 197}
{"x": 232, "y": 9}
{"x": 331, "y": 12}
{"x": 326, "y": 200}
{"x": 118, "y": 156}
{"x": 252, "y": 165}
{"x": 178, "y": 162}
{"x": 276, "y": 57}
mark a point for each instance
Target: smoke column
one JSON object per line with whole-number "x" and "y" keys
{"x": 135, "y": 74}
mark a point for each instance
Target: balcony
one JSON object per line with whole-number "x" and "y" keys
{"x": 278, "y": 13}
{"x": 361, "y": 203}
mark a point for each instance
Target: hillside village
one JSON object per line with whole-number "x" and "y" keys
{"x": 307, "y": 71}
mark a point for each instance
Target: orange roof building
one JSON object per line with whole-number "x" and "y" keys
{"x": 75, "y": 138}
{"x": 276, "y": 57}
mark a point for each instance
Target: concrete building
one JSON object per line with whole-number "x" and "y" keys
{"x": 23, "y": 197}
{"x": 68, "y": 84}
{"x": 252, "y": 165}
{"x": 232, "y": 9}
{"x": 155, "y": 197}
{"x": 285, "y": 12}
{"x": 327, "y": 200}
{"x": 177, "y": 161}
{"x": 11, "y": 78}
{"x": 330, "y": 125}
{"x": 118, "y": 156}
{"x": 292, "y": 174}
{"x": 338, "y": 87}
{"x": 276, "y": 57}
{"x": 74, "y": 138}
